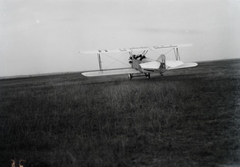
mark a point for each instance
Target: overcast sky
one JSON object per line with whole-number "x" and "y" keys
{"x": 44, "y": 36}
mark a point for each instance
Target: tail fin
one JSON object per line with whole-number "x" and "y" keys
{"x": 162, "y": 60}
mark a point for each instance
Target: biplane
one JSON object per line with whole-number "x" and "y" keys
{"x": 140, "y": 64}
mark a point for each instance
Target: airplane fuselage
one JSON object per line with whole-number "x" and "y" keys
{"x": 135, "y": 63}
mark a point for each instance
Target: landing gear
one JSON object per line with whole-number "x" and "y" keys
{"x": 147, "y": 75}
{"x": 130, "y": 76}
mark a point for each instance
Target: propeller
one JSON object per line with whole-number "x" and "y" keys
{"x": 130, "y": 60}
{"x": 136, "y": 57}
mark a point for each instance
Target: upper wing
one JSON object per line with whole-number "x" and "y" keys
{"x": 135, "y": 49}
{"x": 106, "y": 51}
{"x": 171, "y": 46}
{"x": 110, "y": 72}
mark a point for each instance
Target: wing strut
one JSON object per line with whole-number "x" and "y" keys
{"x": 177, "y": 55}
{"x": 99, "y": 62}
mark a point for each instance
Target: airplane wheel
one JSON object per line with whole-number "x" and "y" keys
{"x": 148, "y": 75}
{"x": 130, "y": 76}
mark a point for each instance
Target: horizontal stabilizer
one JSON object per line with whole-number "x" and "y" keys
{"x": 153, "y": 65}
{"x": 110, "y": 72}
{"x": 184, "y": 65}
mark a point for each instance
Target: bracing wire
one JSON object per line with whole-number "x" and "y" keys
{"x": 158, "y": 53}
{"x": 116, "y": 59}
{"x": 168, "y": 51}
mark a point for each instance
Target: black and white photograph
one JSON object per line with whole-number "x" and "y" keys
{"x": 121, "y": 83}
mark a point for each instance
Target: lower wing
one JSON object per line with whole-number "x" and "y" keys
{"x": 184, "y": 65}
{"x": 170, "y": 65}
{"x": 111, "y": 72}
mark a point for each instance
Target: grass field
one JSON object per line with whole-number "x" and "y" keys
{"x": 189, "y": 117}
